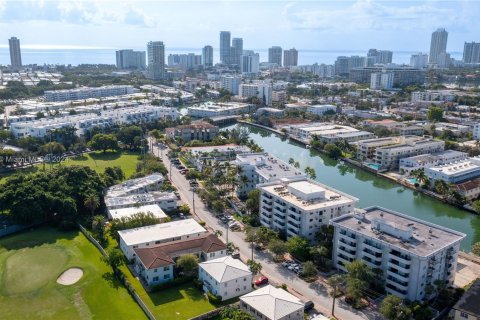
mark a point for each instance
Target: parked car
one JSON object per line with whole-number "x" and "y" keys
{"x": 261, "y": 280}
{"x": 236, "y": 255}
{"x": 181, "y": 215}
{"x": 308, "y": 306}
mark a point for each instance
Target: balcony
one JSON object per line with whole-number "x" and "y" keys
{"x": 348, "y": 244}
{"x": 393, "y": 289}
{"x": 401, "y": 257}
{"x": 267, "y": 209}
{"x": 265, "y": 215}
{"x": 346, "y": 252}
{"x": 373, "y": 257}
{"x": 344, "y": 258}
{"x": 293, "y": 213}
{"x": 373, "y": 247}
{"x": 373, "y": 263}
{"x": 348, "y": 236}
{"x": 291, "y": 232}
{"x": 278, "y": 224}
{"x": 267, "y": 202}
{"x": 396, "y": 273}
{"x": 402, "y": 268}
{"x": 397, "y": 283}
{"x": 295, "y": 227}
{"x": 279, "y": 212}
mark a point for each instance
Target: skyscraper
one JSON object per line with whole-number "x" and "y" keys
{"x": 15, "y": 54}
{"x": 438, "y": 45}
{"x": 275, "y": 55}
{"x": 236, "y": 51}
{"x": 471, "y": 52}
{"x": 156, "y": 60}
{"x": 290, "y": 58}
{"x": 129, "y": 59}
{"x": 225, "y": 47}
{"x": 379, "y": 56}
{"x": 250, "y": 62}
{"x": 207, "y": 56}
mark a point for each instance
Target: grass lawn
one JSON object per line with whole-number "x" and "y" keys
{"x": 98, "y": 161}
{"x": 30, "y": 263}
{"x": 180, "y": 303}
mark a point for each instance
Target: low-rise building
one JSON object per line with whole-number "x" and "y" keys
{"x": 412, "y": 254}
{"x": 256, "y": 168}
{"x": 455, "y": 172}
{"x": 321, "y": 109}
{"x": 130, "y": 211}
{"x": 299, "y": 207}
{"x": 200, "y": 157}
{"x": 166, "y": 200}
{"x": 150, "y": 236}
{"x": 270, "y": 303}
{"x": 269, "y": 112}
{"x": 151, "y": 182}
{"x": 156, "y": 264}
{"x": 388, "y": 157}
{"x": 213, "y": 109}
{"x": 225, "y": 277}
{"x": 457, "y": 129}
{"x": 88, "y": 92}
{"x": 467, "y": 307}
{"x": 197, "y": 130}
{"x": 327, "y": 132}
{"x": 423, "y": 161}
{"x": 469, "y": 189}
{"x": 412, "y": 130}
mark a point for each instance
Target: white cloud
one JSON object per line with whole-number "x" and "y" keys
{"x": 369, "y": 15}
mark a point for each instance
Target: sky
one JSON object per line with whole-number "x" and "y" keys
{"x": 306, "y": 25}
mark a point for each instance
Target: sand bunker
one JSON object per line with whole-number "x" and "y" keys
{"x": 70, "y": 276}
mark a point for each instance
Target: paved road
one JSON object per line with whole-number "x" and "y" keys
{"x": 317, "y": 292}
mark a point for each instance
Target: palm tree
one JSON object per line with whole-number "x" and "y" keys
{"x": 91, "y": 202}
{"x": 420, "y": 175}
{"x": 291, "y": 161}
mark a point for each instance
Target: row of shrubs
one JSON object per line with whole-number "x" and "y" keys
{"x": 173, "y": 283}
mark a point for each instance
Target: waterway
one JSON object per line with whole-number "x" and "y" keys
{"x": 369, "y": 188}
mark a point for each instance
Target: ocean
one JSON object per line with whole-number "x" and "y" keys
{"x": 107, "y": 56}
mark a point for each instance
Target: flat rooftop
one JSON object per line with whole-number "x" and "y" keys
{"x": 221, "y": 149}
{"x": 129, "y": 200}
{"x": 268, "y": 166}
{"x": 131, "y": 185}
{"x": 162, "y": 231}
{"x": 128, "y": 212}
{"x": 327, "y": 196}
{"x": 426, "y": 238}
{"x": 455, "y": 167}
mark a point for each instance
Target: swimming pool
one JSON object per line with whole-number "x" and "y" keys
{"x": 374, "y": 166}
{"x": 412, "y": 180}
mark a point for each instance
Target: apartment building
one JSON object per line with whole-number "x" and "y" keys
{"x": 455, "y": 172}
{"x": 156, "y": 264}
{"x": 166, "y": 200}
{"x": 226, "y": 277}
{"x": 256, "y": 168}
{"x": 321, "y": 109}
{"x": 153, "y": 235}
{"x": 300, "y": 206}
{"x": 213, "y": 109}
{"x": 423, "y": 161}
{"x": 151, "y": 182}
{"x": 328, "y": 132}
{"x": 469, "y": 189}
{"x": 88, "y": 93}
{"x": 270, "y": 303}
{"x": 412, "y": 253}
{"x": 84, "y": 122}
{"x": 154, "y": 209}
{"x": 231, "y": 83}
{"x": 263, "y": 91}
{"x": 197, "y": 130}
{"x": 200, "y": 157}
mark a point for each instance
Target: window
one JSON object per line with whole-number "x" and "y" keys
{"x": 226, "y": 284}
{"x": 167, "y": 276}
{"x": 157, "y": 242}
{"x": 155, "y": 270}
{"x": 167, "y": 268}
{"x": 155, "y": 278}
{"x": 212, "y": 254}
{"x": 464, "y": 315}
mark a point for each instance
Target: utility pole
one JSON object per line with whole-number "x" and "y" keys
{"x": 193, "y": 199}
{"x": 252, "y": 251}
{"x": 334, "y": 296}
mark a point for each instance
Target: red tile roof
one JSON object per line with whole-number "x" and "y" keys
{"x": 163, "y": 254}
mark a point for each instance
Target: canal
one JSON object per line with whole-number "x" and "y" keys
{"x": 369, "y": 188}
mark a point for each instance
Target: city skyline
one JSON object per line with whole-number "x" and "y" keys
{"x": 99, "y": 24}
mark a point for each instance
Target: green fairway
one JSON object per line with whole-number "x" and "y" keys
{"x": 30, "y": 263}
{"x": 98, "y": 161}
{"x": 181, "y": 302}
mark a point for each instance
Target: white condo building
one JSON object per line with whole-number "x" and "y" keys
{"x": 300, "y": 206}
{"x": 320, "y": 109}
{"x": 424, "y": 161}
{"x": 256, "y": 168}
{"x": 231, "y": 83}
{"x": 476, "y": 131}
{"x": 150, "y": 236}
{"x": 226, "y": 277}
{"x": 214, "y": 109}
{"x": 455, "y": 172}
{"x": 84, "y": 122}
{"x": 261, "y": 90}
{"x": 412, "y": 253}
{"x": 88, "y": 93}
{"x": 249, "y": 62}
